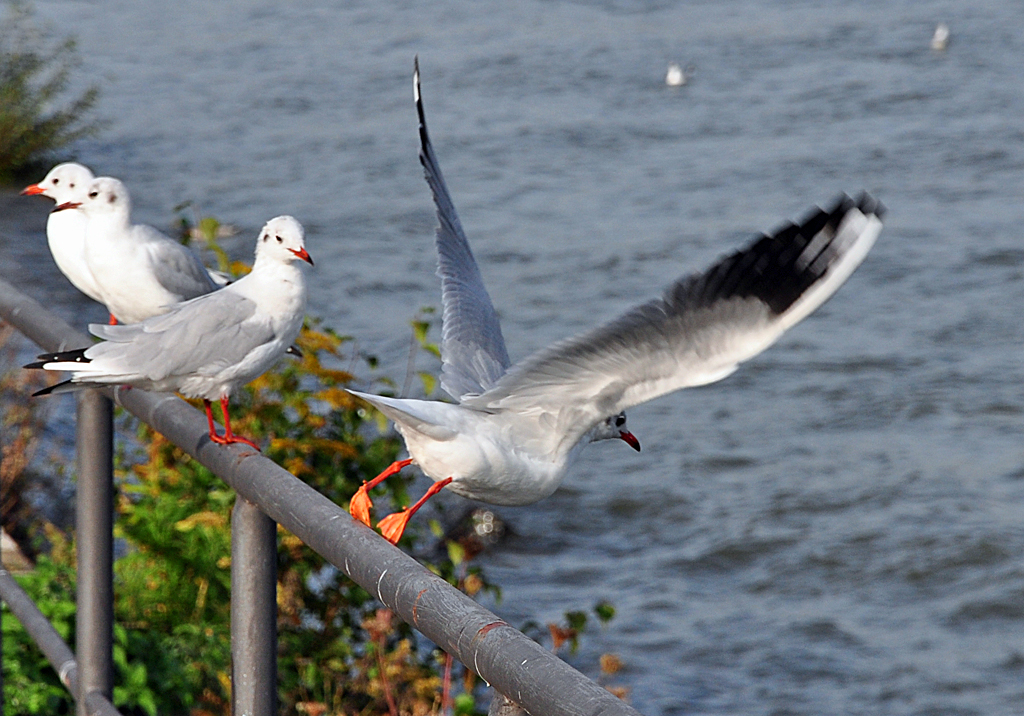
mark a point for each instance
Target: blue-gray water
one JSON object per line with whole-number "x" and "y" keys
{"x": 836, "y": 528}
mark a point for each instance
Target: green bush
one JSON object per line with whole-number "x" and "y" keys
{"x": 339, "y": 651}
{"x": 36, "y": 121}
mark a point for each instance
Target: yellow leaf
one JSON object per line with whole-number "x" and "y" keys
{"x": 337, "y": 398}
{"x": 205, "y": 519}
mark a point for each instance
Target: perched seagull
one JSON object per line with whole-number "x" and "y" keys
{"x": 139, "y": 272}
{"x": 516, "y": 429}
{"x": 208, "y": 346}
{"x": 65, "y": 230}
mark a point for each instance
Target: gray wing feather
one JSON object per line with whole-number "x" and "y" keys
{"x": 473, "y": 354}
{"x": 198, "y": 336}
{"x": 177, "y": 267}
{"x": 699, "y": 331}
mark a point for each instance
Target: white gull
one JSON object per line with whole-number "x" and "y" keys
{"x": 139, "y": 272}
{"x": 65, "y": 230}
{"x": 516, "y": 429}
{"x": 209, "y": 346}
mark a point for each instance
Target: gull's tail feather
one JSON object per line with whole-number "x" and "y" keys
{"x": 76, "y": 357}
{"x": 403, "y": 413}
{"x": 68, "y": 386}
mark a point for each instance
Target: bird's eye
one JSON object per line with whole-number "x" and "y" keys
{"x": 279, "y": 239}
{"x": 56, "y": 181}
{"x": 620, "y": 420}
{"x": 93, "y": 194}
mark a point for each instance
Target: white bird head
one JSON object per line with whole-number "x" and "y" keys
{"x": 283, "y": 240}
{"x": 614, "y": 427}
{"x": 105, "y": 196}
{"x": 65, "y": 182}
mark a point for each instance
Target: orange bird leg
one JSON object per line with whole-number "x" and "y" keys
{"x": 229, "y": 437}
{"x": 394, "y": 524}
{"x": 446, "y": 685}
{"x": 360, "y": 505}
{"x": 112, "y": 321}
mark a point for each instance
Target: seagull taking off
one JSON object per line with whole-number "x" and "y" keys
{"x": 208, "y": 346}
{"x": 516, "y": 429}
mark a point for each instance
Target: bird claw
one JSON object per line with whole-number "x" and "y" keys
{"x": 228, "y": 440}
{"x": 393, "y": 526}
{"x": 360, "y": 505}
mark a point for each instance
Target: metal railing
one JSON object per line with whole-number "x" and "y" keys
{"x": 512, "y": 663}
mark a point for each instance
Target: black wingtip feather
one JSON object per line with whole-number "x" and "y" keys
{"x": 75, "y": 356}
{"x": 780, "y": 267}
{"x": 51, "y": 389}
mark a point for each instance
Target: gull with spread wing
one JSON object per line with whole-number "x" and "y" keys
{"x": 208, "y": 346}
{"x": 516, "y": 429}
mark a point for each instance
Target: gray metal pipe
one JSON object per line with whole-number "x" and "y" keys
{"x": 1, "y": 658}
{"x": 253, "y": 611}
{"x": 53, "y": 647}
{"x": 94, "y": 524}
{"x": 513, "y": 664}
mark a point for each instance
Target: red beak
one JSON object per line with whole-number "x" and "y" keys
{"x": 32, "y": 189}
{"x": 301, "y": 253}
{"x": 67, "y": 205}
{"x": 630, "y": 440}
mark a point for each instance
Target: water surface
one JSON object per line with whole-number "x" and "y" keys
{"x": 836, "y": 528}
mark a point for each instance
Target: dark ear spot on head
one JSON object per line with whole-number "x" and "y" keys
{"x": 265, "y": 237}
{"x": 112, "y": 199}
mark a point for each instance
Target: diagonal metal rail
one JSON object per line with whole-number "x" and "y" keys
{"x": 49, "y": 641}
{"x": 512, "y": 663}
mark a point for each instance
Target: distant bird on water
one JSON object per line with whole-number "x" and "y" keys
{"x": 940, "y": 40}
{"x": 516, "y": 429}
{"x": 677, "y": 76}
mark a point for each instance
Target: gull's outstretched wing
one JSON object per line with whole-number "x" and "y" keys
{"x": 473, "y": 354}
{"x": 698, "y": 332}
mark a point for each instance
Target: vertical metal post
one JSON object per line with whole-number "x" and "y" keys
{"x": 94, "y": 522}
{"x": 253, "y": 611}
{"x": 1, "y": 658}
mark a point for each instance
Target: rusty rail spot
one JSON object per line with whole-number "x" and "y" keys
{"x": 493, "y": 625}
{"x": 416, "y": 605}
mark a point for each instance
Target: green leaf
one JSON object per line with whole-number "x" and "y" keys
{"x": 429, "y": 382}
{"x": 577, "y": 620}
{"x": 464, "y": 704}
{"x": 208, "y": 228}
{"x": 420, "y": 330}
{"x": 456, "y": 553}
{"x": 604, "y": 611}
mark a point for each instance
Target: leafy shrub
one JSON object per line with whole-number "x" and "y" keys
{"x": 339, "y": 651}
{"x": 35, "y": 72}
